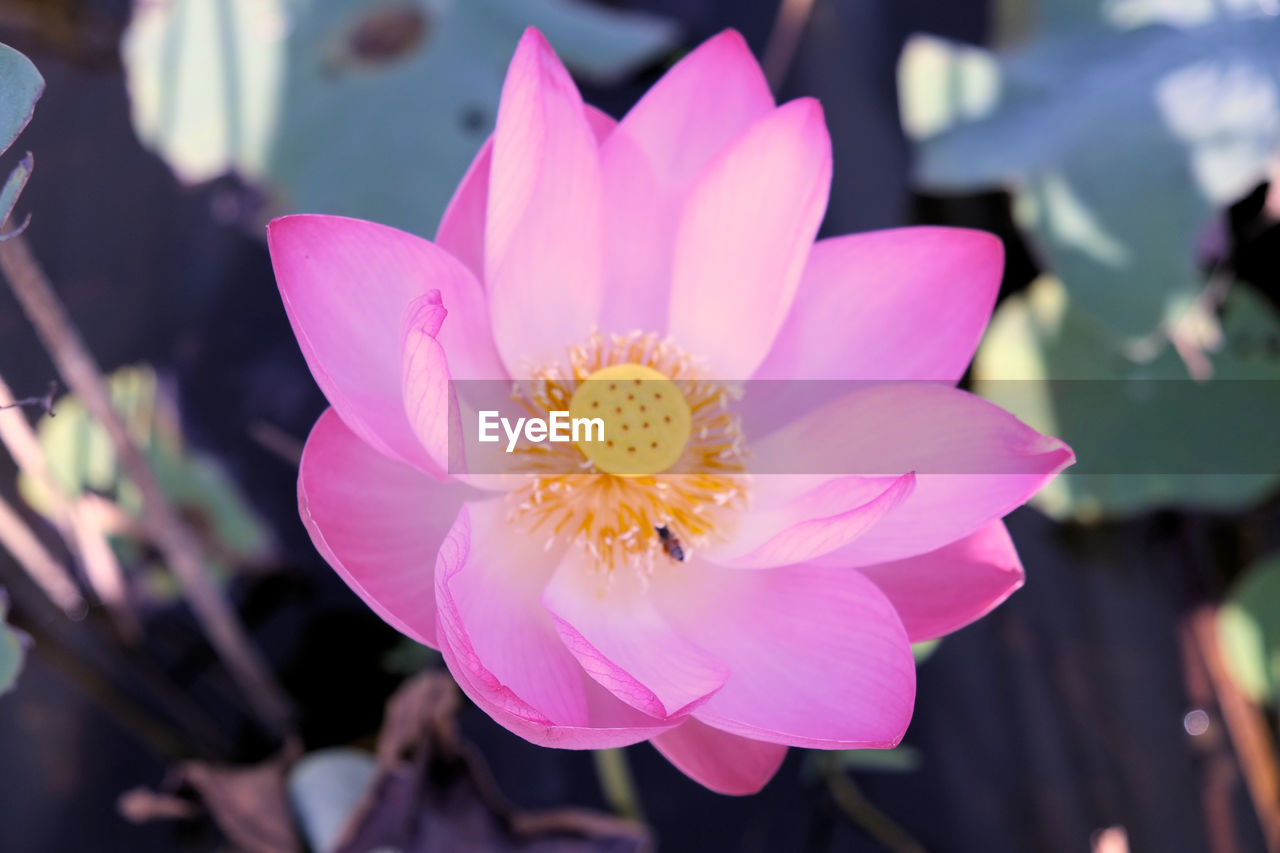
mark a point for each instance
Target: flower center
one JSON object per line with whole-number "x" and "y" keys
{"x": 668, "y": 477}
{"x": 646, "y": 419}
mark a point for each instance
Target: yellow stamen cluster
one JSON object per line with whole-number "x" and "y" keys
{"x": 610, "y": 500}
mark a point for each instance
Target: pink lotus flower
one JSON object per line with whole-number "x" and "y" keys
{"x": 681, "y": 235}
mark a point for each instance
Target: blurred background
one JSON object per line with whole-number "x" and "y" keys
{"x": 1126, "y": 151}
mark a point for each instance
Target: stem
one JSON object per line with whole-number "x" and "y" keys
{"x": 1247, "y": 727}
{"x": 178, "y": 546}
{"x": 88, "y": 644}
{"x": 1220, "y": 773}
{"x": 849, "y": 798}
{"x": 614, "y": 773}
{"x": 84, "y": 539}
{"x": 788, "y": 27}
{"x": 41, "y": 566}
{"x": 275, "y": 440}
{"x": 45, "y": 402}
{"x": 154, "y": 732}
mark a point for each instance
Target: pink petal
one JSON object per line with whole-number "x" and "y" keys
{"x": 817, "y": 656}
{"x": 609, "y": 623}
{"x": 946, "y": 589}
{"x": 602, "y": 124}
{"x": 461, "y": 231}
{"x": 725, "y": 763}
{"x": 908, "y": 303}
{"x": 377, "y": 522}
{"x": 425, "y": 377}
{"x": 613, "y": 724}
{"x": 743, "y": 238}
{"x": 642, "y": 213}
{"x": 705, "y": 101}
{"x": 346, "y": 285}
{"x": 502, "y": 647}
{"x": 974, "y": 462}
{"x": 544, "y": 238}
{"x": 797, "y": 530}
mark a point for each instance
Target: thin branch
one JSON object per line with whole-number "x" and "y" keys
{"x": 23, "y": 445}
{"x": 275, "y": 440}
{"x": 151, "y": 730}
{"x": 849, "y": 798}
{"x": 73, "y": 519}
{"x": 788, "y": 27}
{"x": 112, "y": 663}
{"x": 178, "y": 546}
{"x": 41, "y": 566}
{"x": 45, "y": 402}
{"x": 157, "y": 734}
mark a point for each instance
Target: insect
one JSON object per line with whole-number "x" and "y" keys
{"x": 670, "y": 544}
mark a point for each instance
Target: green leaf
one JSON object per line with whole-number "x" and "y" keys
{"x": 368, "y": 108}
{"x": 205, "y": 81}
{"x": 596, "y": 42}
{"x": 13, "y": 647}
{"x": 1249, "y": 631}
{"x": 81, "y": 459}
{"x": 1119, "y": 136}
{"x": 1115, "y": 419}
{"x": 22, "y": 87}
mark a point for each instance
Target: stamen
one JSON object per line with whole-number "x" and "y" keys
{"x": 692, "y": 484}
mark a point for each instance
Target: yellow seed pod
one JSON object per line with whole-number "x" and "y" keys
{"x": 647, "y": 422}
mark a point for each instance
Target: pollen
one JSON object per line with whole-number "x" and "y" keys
{"x": 673, "y": 457}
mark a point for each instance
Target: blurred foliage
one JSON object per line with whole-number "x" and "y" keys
{"x": 1038, "y": 335}
{"x": 248, "y": 803}
{"x": 423, "y": 789}
{"x": 924, "y": 649}
{"x": 22, "y": 87}
{"x": 82, "y": 461}
{"x": 1249, "y": 631}
{"x": 13, "y": 187}
{"x": 1120, "y": 126}
{"x": 409, "y": 657}
{"x": 13, "y": 646}
{"x": 900, "y": 759}
{"x": 367, "y": 108}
